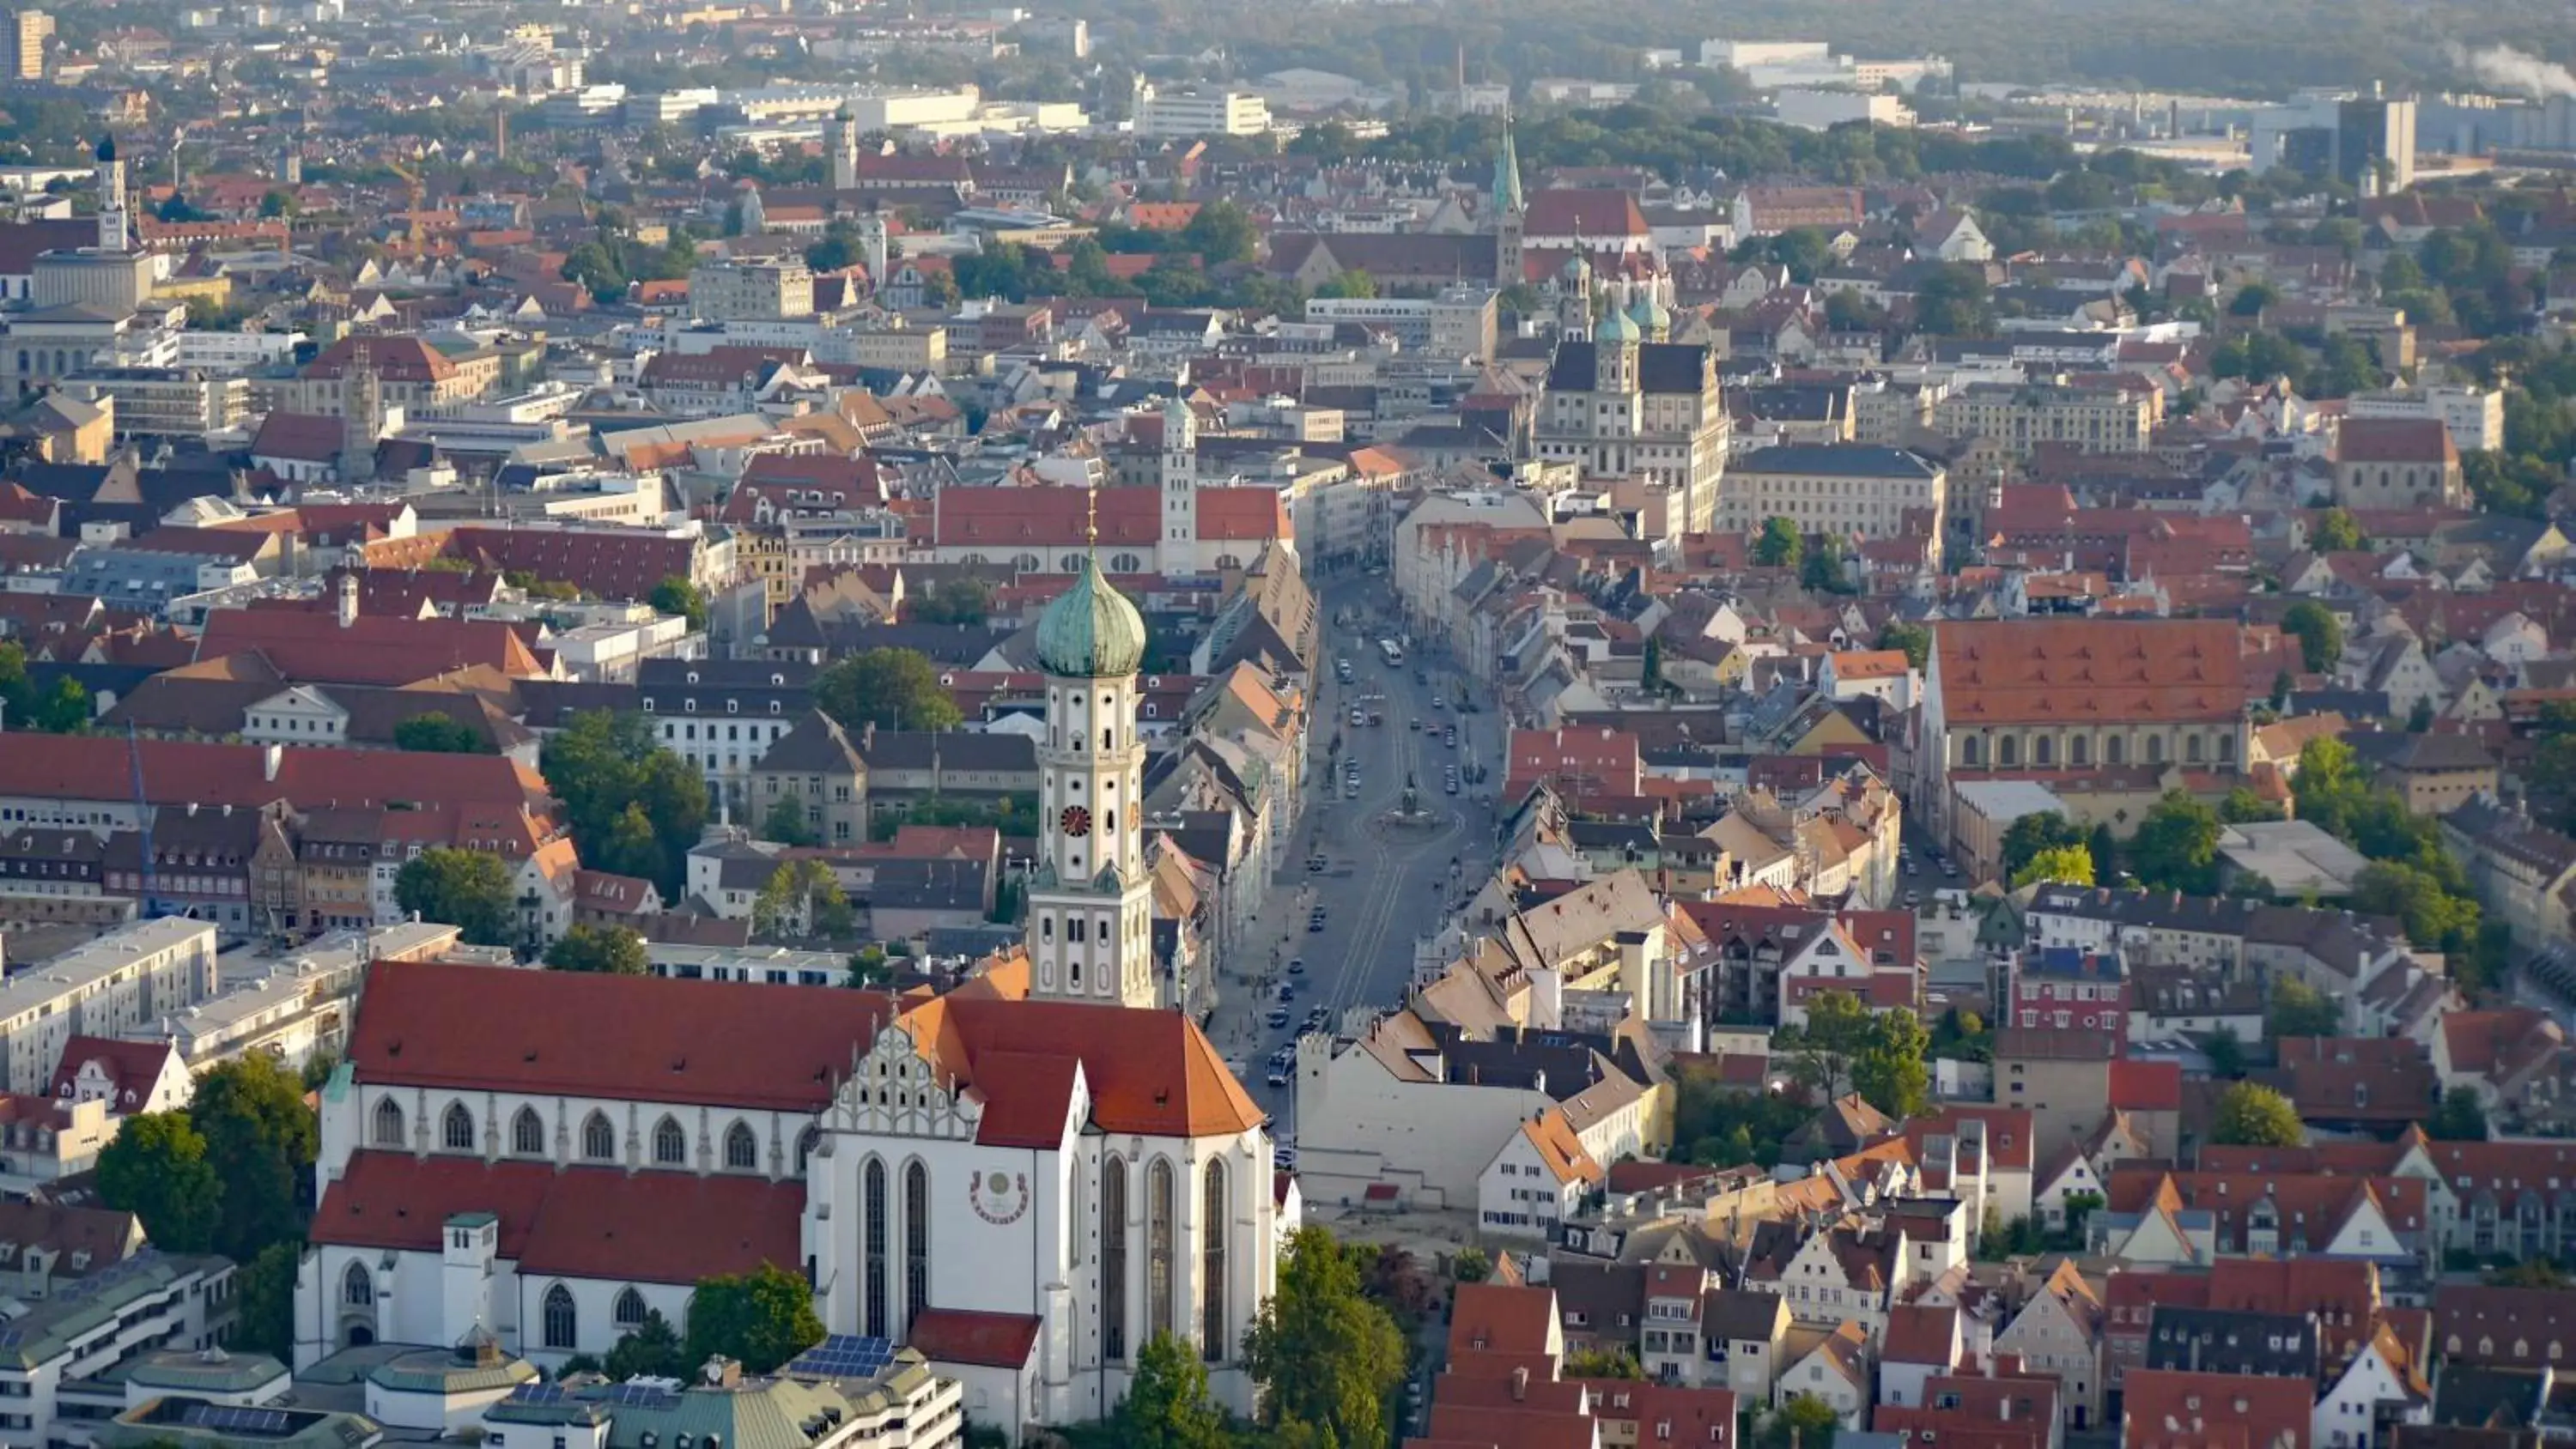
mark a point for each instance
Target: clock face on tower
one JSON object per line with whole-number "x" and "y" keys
{"x": 1076, "y": 821}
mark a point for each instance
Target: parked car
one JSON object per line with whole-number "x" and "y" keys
{"x": 1296, "y": 965}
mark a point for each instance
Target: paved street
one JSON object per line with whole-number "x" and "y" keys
{"x": 1383, "y": 886}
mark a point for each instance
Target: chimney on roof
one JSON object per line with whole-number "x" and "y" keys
{"x": 1520, "y": 1383}
{"x": 269, "y": 758}
{"x": 347, "y": 603}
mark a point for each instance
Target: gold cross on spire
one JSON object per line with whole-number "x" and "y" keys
{"x": 1091, "y": 518}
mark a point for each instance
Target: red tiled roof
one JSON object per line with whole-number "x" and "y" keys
{"x": 132, "y": 1066}
{"x": 1049, "y": 517}
{"x": 177, "y": 772}
{"x": 2174, "y": 1409}
{"x": 1597, "y": 215}
{"x": 1500, "y": 1318}
{"x": 393, "y": 359}
{"x": 579, "y": 1222}
{"x": 485, "y": 1028}
{"x": 988, "y": 1340}
{"x": 1154, "y": 1074}
{"x": 616, "y": 564}
{"x": 2031, "y": 671}
{"x": 313, "y": 646}
{"x": 2146, "y": 1086}
{"x": 2394, "y": 440}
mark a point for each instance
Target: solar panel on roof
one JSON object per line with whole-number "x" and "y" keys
{"x": 539, "y": 1394}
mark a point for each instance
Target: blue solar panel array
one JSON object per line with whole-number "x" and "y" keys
{"x": 845, "y": 1356}
{"x": 642, "y": 1396}
{"x": 538, "y": 1394}
{"x": 238, "y": 1419}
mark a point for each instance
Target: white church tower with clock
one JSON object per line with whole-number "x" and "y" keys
{"x": 1090, "y": 918}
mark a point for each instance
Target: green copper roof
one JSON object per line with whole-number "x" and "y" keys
{"x": 1507, "y": 177}
{"x": 1616, "y": 328}
{"x": 1091, "y": 631}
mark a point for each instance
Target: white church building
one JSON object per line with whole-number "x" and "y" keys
{"x": 1025, "y": 1179}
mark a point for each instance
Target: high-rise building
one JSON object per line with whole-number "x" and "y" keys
{"x": 2375, "y": 143}
{"x": 28, "y": 32}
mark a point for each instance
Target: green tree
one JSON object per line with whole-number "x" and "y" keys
{"x": 1779, "y": 545}
{"x": 1354, "y": 284}
{"x": 260, "y": 1139}
{"x": 65, "y": 708}
{"x": 2298, "y": 1009}
{"x": 2176, "y": 847}
{"x": 2319, "y": 632}
{"x": 436, "y": 734}
{"x": 1821, "y": 569}
{"x": 2041, "y": 830}
{"x": 1167, "y": 1403}
{"x": 2253, "y": 1115}
{"x": 761, "y": 1318}
{"x": 2226, "y": 1053}
{"x": 2435, "y": 918}
{"x": 893, "y": 689}
{"x": 1221, "y": 232}
{"x": 964, "y": 599}
{"x": 801, "y": 898}
{"x": 2252, "y": 299}
{"x": 1650, "y": 665}
{"x": 2066, "y": 864}
{"x": 651, "y": 1350}
{"x": 156, "y": 1169}
{"x": 1954, "y": 301}
{"x": 1602, "y": 1363}
{"x": 1805, "y": 1422}
{"x": 1322, "y": 1354}
{"x": 2419, "y": 718}
{"x": 2242, "y": 806}
{"x": 264, "y": 1292}
{"x": 681, "y": 596}
{"x": 466, "y": 889}
{"x": 1914, "y": 639}
{"x": 1471, "y": 1265}
{"x": 606, "y": 950}
{"x": 635, "y": 808}
{"x": 785, "y": 822}
{"x": 1892, "y": 1069}
{"x": 2461, "y": 1117}
{"x": 2336, "y": 532}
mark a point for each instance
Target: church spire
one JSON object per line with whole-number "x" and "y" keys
{"x": 1507, "y": 199}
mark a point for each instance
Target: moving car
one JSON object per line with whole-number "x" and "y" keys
{"x": 1296, "y": 965}
{"x": 1315, "y": 922}
{"x": 1278, "y": 1016}
{"x": 1277, "y": 1079}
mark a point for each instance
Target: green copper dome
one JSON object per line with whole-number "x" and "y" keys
{"x": 1616, "y": 327}
{"x": 1091, "y": 631}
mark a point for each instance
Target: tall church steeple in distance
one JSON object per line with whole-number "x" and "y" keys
{"x": 1511, "y": 211}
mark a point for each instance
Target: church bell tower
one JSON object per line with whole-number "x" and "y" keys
{"x": 1090, "y": 924}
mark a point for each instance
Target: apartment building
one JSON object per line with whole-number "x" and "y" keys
{"x": 165, "y": 401}
{"x": 111, "y": 986}
{"x": 1182, "y": 115}
{"x": 2021, "y": 417}
{"x": 2473, "y": 416}
{"x": 767, "y": 291}
{"x": 1459, "y": 322}
{"x": 1841, "y": 488}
